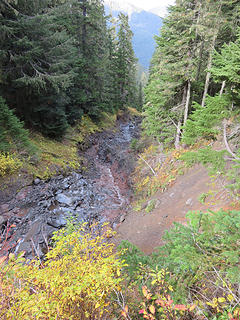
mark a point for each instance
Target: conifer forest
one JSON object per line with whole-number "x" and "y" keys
{"x": 119, "y": 186}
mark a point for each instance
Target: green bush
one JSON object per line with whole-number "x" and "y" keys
{"x": 203, "y": 121}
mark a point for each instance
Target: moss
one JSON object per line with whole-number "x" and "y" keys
{"x": 54, "y": 156}
{"x": 62, "y": 156}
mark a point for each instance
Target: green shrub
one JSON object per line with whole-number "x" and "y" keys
{"x": 203, "y": 121}
{"x": 206, "y": 156}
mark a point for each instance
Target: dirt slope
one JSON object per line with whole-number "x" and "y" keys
{"x": 146, "y": 229}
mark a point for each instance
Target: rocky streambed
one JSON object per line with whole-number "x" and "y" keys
{"x": 30, "y": 216}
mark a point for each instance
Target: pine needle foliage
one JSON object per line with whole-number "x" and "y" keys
{"x": 203, "y": 121}
{"x": 208, "y": 157}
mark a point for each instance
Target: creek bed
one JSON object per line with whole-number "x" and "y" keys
{"x": 101, "y": 194}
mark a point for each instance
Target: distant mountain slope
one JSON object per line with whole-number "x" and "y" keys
{"x": 144, "y": 26}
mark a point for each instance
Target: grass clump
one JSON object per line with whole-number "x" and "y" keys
{"x": 54, "y": 157}
{"x": 61, "y": 156}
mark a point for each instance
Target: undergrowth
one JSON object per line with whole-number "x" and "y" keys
{"x": 157, "y": 170}
{"x": 194, "y": 275}
{"x": 9, "y": 163}
{"x": 51, "y": 156}
{"x": 75, "y": 281}
{"x": 196, "y": 270}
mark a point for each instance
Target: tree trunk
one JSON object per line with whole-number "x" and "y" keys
{"x": 177, "y": 140}
{"x": 209, "y": 66}
{"x": 187, "y": 102}
{"x": 222, "y": 88}
{"x": 210, "y": 58}
{"x": 178, "y": 126}
{"x": 200, "y": 61}
{"x": 225, "y": 123}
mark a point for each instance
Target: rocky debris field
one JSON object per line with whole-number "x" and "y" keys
{"x": 30, "y": 216}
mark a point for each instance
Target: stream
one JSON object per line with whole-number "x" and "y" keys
{"x": 101, "y": 194}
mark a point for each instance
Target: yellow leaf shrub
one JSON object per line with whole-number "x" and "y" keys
{"x": 9, "y": 164}
{"x": 75, "y": 281}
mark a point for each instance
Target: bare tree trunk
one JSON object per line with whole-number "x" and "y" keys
{"x": 210, "y": 58}
{"x": 200, "y": 61}
{"x": 222, "y": 88}
{"x": 178, "y": 126}
{"x": 177, "y": 140}
{"x": 209, "y": 66}
{"x": 225, "y": 123}
{"x": 187, "y": 102}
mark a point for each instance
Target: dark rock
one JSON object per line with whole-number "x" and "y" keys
{"x": 39, "y": 209}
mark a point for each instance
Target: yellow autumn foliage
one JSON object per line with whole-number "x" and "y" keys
{"x": 75, "y": 281}
{"x": 9, "y": 164}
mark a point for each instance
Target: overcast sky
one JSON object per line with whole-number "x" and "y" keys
{"x": 149, "y": 4}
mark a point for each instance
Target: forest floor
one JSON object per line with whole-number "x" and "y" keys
{"x": 145, "y": 230}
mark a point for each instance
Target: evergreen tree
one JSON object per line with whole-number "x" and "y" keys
{"x": 180, "y": 70}
{"x": 140, "y": 96}
{"x": 36, "y": 61}
{"x": 125, "y": 64}
{"x": 59, "y": 60}
{"x": 12, "y": 134}
{"x": 226, "y": 69}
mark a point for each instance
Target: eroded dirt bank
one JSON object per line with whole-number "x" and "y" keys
{"x": 146, "y": 230}
{"x": 101, "y": 194}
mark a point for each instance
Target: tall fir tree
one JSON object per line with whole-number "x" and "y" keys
{"x": 125, "y": 64}
{"x": 36, "y": 61}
